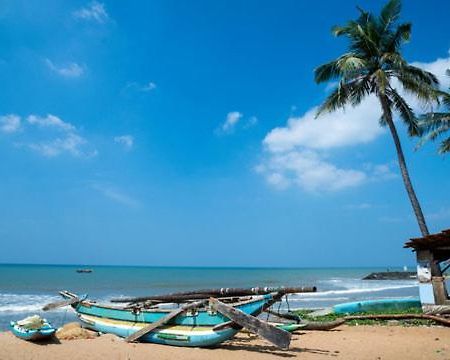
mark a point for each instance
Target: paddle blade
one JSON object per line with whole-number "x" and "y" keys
{"x": 276, "y": 336}
{"x": 59, "y": 304}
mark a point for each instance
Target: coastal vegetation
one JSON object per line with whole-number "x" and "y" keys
{"x": 374, "y": 66}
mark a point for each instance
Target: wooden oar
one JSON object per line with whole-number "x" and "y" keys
{"x": 59, "y": 304}
{"x": 269, "y": 332}
{"x": 149, "y": 328}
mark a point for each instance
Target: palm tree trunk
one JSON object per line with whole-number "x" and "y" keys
{"x": 403, "y": 169}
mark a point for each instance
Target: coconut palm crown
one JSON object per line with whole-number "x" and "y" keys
{"x": 436, "y": 124}
{"x": 369, "y": 67}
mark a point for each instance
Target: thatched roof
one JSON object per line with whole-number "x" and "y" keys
{"x": 438, "y": 241}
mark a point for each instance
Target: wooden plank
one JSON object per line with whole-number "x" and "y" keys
{"x": 149, "y": 328}
{"x": 269, "y": 332}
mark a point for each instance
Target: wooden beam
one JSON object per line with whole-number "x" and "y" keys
{"x": 269, "y": 332}
{"x": 149, "y": 328}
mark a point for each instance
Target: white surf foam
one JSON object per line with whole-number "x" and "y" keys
{"x": 354, "y": 290}
{"x": 23, "y": 303}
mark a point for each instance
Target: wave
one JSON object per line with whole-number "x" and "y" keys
{"x": 23, "y": 303}
{"x": 356, "y": 290}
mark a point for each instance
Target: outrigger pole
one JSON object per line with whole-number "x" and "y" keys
{"x": 216, "y": 293}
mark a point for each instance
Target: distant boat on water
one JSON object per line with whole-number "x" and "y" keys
{"x": 84, "y": 271}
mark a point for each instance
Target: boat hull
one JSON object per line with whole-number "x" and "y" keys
{"x": 203, "y": 317}
{"x": 377, "y": 305}
{"x": 32, "y": 334}
{"x": 175, "y": 335}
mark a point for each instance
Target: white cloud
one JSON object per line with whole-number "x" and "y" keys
{"x": 50, "y": 121}
{"x": 9, "y": 123}
{"x": 127, "y": 141}
{"x": 252, "y": 121}
{"x": 50, "y": 136}
{"x": 308, "y": 170}
{"x": 438, "y": 67}
{"x": 299, "y": 153}
{"x": 94, "y": 11}
{"x": 149, "y": 87}
{"x": 231, "y": 121}
{"x": 344, "y": 127}
{"x": 115, "y": 194}
{"x": 71, "y": 70}
{"x": 71, "y": 144}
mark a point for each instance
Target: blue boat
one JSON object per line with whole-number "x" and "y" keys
{"x": 198, "y": 327}
{"x": 32, "y": 329}
{"x": 204, "y": 316}
{"x": 377, "y": 305}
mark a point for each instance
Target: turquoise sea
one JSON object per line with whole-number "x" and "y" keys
{"x": 24, "y": 289}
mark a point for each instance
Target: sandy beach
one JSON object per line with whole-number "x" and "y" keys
{"x": 347, "y": 342}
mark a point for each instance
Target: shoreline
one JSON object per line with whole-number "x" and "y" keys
{"x": 346, "y": 342}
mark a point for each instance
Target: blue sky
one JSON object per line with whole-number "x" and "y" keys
{"x": 183, "y": 133}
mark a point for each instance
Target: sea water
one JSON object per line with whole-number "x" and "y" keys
{"x": 24, "y": 289}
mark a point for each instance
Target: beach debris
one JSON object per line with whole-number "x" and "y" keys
{"x": 74, "y": 331}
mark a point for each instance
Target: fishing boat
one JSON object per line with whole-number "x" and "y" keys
{"x": 32, "y": 328}
{"x": 205, "y": 322}
{"x": 139, "y": 313}
{"x": 175, "y": 335}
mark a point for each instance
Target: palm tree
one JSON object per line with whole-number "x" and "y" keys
{"x": 435, "y": 124}
{"x": 369, "y": 67}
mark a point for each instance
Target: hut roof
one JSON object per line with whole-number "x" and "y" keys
{"x": 438, "y": 241}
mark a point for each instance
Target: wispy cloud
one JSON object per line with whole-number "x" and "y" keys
{"x": 360, "y": 206}
{"x": 50, "y": 121}
{"x": 115, "y": 194}
{"x": 50, "y": 136}
{"x": 70, "y": 70}
{"x": 231, "y": 121}
{"x": 127, "y": 141}
{"x": 94, "y": 11}
{"x": 134, "y": 86}
{"x": 71, "y": 144}
{"x": 441, "y": 214}
{"x": 10, "y": 123}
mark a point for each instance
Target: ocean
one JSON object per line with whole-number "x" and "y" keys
{"x": 24, "y": 289}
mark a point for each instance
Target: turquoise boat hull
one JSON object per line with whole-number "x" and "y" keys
{"x": 175, "y": 335}
{"x": 45, "y": 332}
{"x": 202, "y": 317}
{"x": 377, "y": 305}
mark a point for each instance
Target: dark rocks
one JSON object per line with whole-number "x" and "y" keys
{"x": 391, "y": 275}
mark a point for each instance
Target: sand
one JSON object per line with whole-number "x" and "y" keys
{"x": 347, "y": 342}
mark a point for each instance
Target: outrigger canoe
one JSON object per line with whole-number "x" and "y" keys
{"x": 198, "y": 326}
{"x": 203, "y": 316}
{"x": 176, "y": 335}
